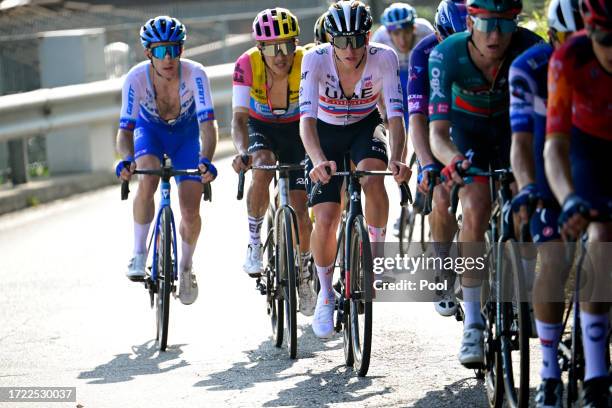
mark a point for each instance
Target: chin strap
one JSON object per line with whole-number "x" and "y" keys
{"x": 475, "y": 47}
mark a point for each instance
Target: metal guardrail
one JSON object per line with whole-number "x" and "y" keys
{"x": 44, "y": 110}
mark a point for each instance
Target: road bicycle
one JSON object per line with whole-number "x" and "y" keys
{"x": 161, "y": 277}
{"x": 281, "y": 249}
{"x": 354, "y": 290}
{"x": 504, "y": 299}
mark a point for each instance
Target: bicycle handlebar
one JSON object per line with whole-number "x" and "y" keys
{"x": 454, "y": 195}
{"x": 206, "y": 188}
{"x": 245, "y": 160}
{"x": 273, "y": 167}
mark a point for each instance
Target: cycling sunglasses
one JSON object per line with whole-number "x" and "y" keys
{"x": 356, "y": 41}
{"x": 160, "y": 51}
{"x": 602, "y": 37}
{"x": 488, "y": 25}
{"x": 272, "y": 50}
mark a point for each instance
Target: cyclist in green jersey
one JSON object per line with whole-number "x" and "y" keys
{"x": 468, "y": 75}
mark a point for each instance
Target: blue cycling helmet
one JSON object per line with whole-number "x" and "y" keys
{"x": 450, "y": 18}
{"x": 398, "y": 15}
{"x": 162, "y": 29}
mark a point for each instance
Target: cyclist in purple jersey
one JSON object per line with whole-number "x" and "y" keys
{"x": 528, "y": 98}
{"x": 450, "y": 18}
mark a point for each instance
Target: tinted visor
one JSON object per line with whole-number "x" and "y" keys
{"x": 271, "y": 50}
{"x": 160, "y": 51}
{"x": 356, "y": 41}
{"x": 489, "y": 25}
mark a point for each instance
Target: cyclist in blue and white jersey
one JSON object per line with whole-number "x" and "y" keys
{"x": 450, "y": 18}
{"x": 167, "y": 109}
{"x": 402, "y": 30}
{"x": 342, "y": 82}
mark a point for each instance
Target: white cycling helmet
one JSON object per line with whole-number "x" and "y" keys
{"x": 564, "y": 16}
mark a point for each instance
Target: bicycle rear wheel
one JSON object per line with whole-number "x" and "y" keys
{"x": 515, "y": 326}
{"x": 165, "y": 275}
{"x": 360, "y": 281}
{"x": 406, "y": 229}
{"x": 286, "y": 269}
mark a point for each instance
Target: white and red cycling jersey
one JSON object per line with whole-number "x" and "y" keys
{"x": 321, "y": 95}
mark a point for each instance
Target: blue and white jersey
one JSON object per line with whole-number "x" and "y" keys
{"x": 528, "y": 99}
{"x": 138, "y": 97}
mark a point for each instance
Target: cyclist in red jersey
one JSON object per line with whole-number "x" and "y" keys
{"x": 577, "y": 152}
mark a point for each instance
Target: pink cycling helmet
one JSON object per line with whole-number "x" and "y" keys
{"x": 274, "y": 24}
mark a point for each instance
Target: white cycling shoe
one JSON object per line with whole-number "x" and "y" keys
{"x": 323, "y": 321}
{"x": 447, "y": 305}
{"x": 136, "y": 267}
{"x": 471, "y": 354}
{"x": 188, "y": 286}
{"x": 253, "y": 265}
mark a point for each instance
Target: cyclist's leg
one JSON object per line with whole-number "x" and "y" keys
{"x": 148, "y": 153}
{"x": 369, "y": 152}
{"x": 258, "y": 196}
{"x": 326, "y": 209}
{"x": 548, "y": 288}
{"x": 183, "y": 149}
{"x": 590, "y": 171}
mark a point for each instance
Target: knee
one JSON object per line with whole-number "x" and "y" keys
{"x": 326, "y": 223}
{"x": 261, "y": 179}
{"x": 373, "y": 185}
{"x": 147, "y": 187}
{"x": 599, "y": 233}
{"x": 476, "y": 216}
{"x": 190, "y": 215}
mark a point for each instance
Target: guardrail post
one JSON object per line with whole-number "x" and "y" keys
{"x": 73, "y": 57}
{"x": 18, "y": 161}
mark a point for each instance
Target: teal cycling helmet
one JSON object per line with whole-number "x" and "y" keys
{"x": 507, "y": 7}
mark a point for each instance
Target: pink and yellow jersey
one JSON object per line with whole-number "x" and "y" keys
{"x": 250, "y": 89}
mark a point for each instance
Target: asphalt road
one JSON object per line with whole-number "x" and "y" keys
{"x": 69, "y": 317}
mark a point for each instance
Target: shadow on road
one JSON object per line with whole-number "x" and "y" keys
{"x": 267, "y": 364}
{"x": 468, "y": 393}
{"x": 144, "y": 359}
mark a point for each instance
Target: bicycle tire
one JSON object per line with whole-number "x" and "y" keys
{"x": 493, "y": 364}
{"x": 406, "y": 229}
{"x": 361, "y": 296}
{"x": 275, "y": 304}
{"x": 286, "y": 266}
{"x": 165, "y": 275}
{"x": 510, "y": 340}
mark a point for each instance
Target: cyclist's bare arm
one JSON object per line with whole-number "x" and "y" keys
{"x": 397, "y": 139}
{"x": 310, "y": 138}
{"x": 521, "y": 158}
{"x": 240, "y": 132}
{"x": 441, "y": 145}
{"x": 418, "y": 133}
{"x": 557, "y": 165}
{"x": 125, "y": 143}
{"x": 209, "y": 135}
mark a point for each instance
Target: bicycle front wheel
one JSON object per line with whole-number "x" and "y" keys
{"x": 515, "y": 326}
{"x": 287, "y": 268}
{"x": 165, "y": 275}
{"x": 274, "y": 297}
{"x": 361, "y": 293}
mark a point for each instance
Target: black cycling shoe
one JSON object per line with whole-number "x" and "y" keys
{"x": 549, "y": 394}
{"x": 596, "y": 393}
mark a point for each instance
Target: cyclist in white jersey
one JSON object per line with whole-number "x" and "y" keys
{"x": 167, "y": 109}
{"x": 333, "y": 123}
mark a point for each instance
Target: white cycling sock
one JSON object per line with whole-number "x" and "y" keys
{"x": 594, "y": 340}
{"x": 471, "y": 306}
{"x": 325, "y": 274}
{"x": 255, "y": 224}
{"x": 186, "y": 255}
{"x": 549, "y": 334}
{"x": 141, "y": 231}
{"x": 377, "y": 235}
